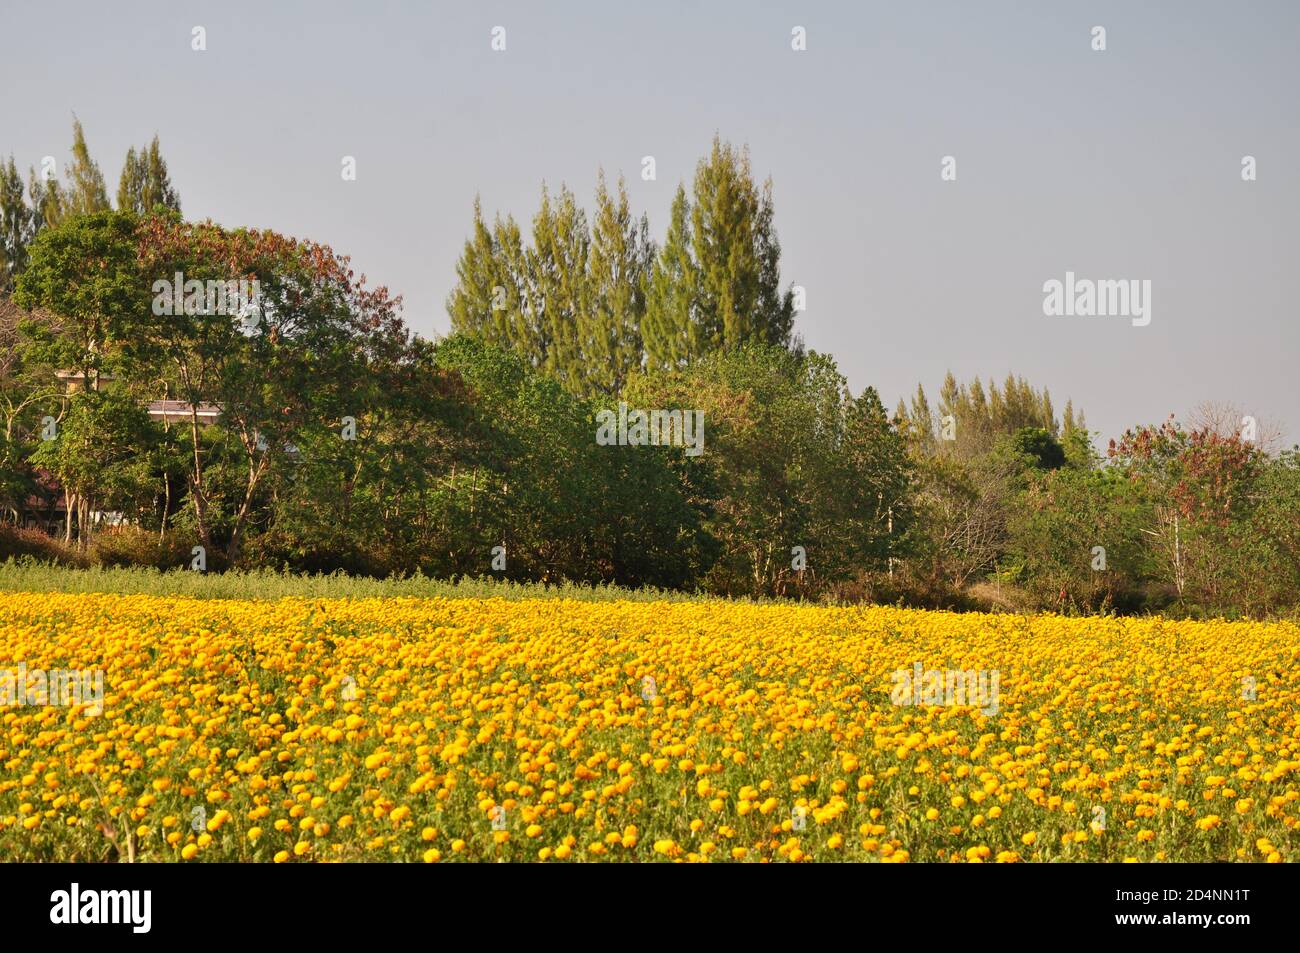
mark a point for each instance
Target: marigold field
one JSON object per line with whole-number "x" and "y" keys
{"x": 247, "y": 711}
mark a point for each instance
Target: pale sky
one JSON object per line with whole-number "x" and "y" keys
{"x": 1123, "y": 164}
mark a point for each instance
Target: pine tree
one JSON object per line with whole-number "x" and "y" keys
{"x": 670, "y": 326}
{"x": 921, "y": 420}
{"x": 618, "y": 273}
{"x": 477, "y": 305}
{"x": 731, "y": 262}
{"x": 557, "y": 286}
{"x": 776, "y": 309}
{"x": 877, "y": 453}
{"x": 594, "y": 304}
{"x": 736, "y": 255}
{"x": 86, "y": 192}
{"x": 145, "y": 183}
{"x": 518, "y": 325}
{"x": 17, "y": 226}
{"x": 982, "y": 416}
{"x": 130, "y": 187}
{"x": 48, "y": 201}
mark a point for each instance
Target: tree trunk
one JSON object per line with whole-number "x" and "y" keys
{"x": 196, "y": 484}
{"x": 167, "y": 505}
{"x": 1178, "y": 557}
{"x": 256, "y": 470}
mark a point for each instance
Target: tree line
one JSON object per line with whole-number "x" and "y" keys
{"x": 324, "y": 435}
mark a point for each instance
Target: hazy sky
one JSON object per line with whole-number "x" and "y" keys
{"x": 1123, "y": 164}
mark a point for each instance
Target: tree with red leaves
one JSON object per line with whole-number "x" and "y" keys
{"x": 1200, "y": 482}
{"x": 294, "y": 365}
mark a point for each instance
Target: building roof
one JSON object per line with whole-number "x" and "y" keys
{"x": 167, "y": 410}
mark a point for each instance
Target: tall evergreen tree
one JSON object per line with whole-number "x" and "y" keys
{"x": 920, "y": 419}
{"x": 48, "y": 201}
{"x": 557, "y": 285}
{"x": 981, "y": 415}
{"x": 483, "y": 300}
{"x": 17, "y": 226}
{"x": 618, "y": 270}
{"x": 670, "y": 332}
{"x": 519, "y": 321}
{"x": 86, "y": 192}
{"x": 145, "y": 183}
{"x": 736, "y": 297}
{"x": 596, "y": 303}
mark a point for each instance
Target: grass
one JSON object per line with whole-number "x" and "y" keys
{"x": 30, "y": 575}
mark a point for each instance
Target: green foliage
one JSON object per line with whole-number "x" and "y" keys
{"x": 18, "y": 225}
{"x": 590, "y": 304}
{"x": 1077, "y": 535}
{"x": 559, "y": 504}
{"x": 791, "y": 460}
{"x": 145, "y": 185}
{"x": 617, "y": 274}
{"x": 96, "y": 453}
{"x": 716, "y": 284}
{"x": 1040, "y": 448}
{"x": 86, "y": 272}
{"x": 671, "y": 334}
{"x": 86, "y": 193}
{"x": 975, "y": 417}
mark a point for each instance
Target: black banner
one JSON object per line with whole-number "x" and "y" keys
{"x": 147, "y": 903}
